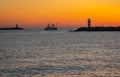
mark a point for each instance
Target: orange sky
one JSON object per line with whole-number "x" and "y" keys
{"x": 67, "y": 13}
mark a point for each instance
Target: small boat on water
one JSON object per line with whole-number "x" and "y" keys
{"x": 52, "y": 27}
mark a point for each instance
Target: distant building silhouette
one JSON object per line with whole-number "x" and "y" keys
{"x": 89, "y": 23}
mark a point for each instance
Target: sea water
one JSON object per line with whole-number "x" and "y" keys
{"x": 39, "y": 53}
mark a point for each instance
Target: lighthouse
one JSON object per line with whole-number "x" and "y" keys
{"x": 89, "y": 23}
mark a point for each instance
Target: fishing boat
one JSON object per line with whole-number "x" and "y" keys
{"x": 50, "y": 27}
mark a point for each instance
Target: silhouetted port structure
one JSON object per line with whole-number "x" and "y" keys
{"x": 12, "y": 28}
{"x": 97, "y": 28}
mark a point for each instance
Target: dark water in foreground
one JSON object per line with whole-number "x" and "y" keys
{"x": 37, "y": 53}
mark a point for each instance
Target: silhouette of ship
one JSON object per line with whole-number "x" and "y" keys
{"x": 98, "y": 28}
{"x": 12, "y": 28}
{"x": 52, "y": 27}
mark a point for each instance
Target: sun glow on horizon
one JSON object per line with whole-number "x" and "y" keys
{"x": 67, "y": 13}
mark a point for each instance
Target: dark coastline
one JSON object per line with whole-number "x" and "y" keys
{"x": 12, "y": 28}
{"x": 97, "y": 29}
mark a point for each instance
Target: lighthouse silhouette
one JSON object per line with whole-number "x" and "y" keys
{"x": 89, "y": 23}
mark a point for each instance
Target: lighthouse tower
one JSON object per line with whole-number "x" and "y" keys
{"x": 89, "y": 23}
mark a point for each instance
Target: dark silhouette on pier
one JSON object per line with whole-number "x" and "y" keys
{"x": 12, "y": 28}
{"x": 98, "y": 28}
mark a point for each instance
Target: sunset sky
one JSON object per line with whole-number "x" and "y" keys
{"x": 67, "y": 13}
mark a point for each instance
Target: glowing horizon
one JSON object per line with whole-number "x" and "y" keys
{"x": 67, "y": 13}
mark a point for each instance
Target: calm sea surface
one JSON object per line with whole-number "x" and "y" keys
{"x": 39, "y": 53}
